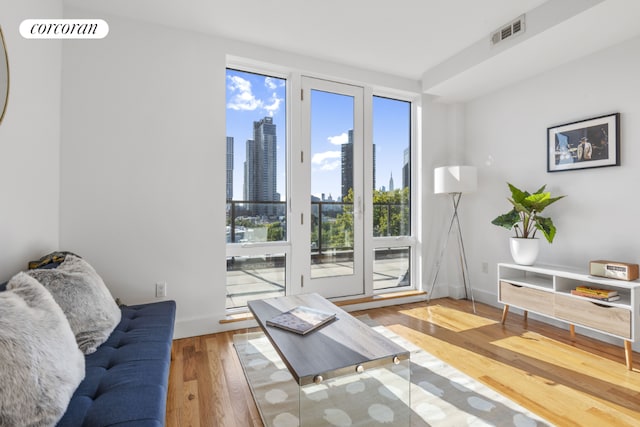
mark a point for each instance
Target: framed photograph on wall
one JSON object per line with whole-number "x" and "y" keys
{"x": 590, "y": 143}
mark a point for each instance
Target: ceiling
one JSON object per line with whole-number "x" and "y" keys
{"x": 442, "y": 43}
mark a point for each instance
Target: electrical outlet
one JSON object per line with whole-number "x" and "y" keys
{"x": 161, "y": 289}
{"x": 485, "y": 267}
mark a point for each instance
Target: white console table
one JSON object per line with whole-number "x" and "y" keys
{"x": 546, "y": 290}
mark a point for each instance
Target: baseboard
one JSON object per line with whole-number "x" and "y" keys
{"x": 211, "y": 324}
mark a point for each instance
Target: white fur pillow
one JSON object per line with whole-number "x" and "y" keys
{"x": 41, "y": 365}
{"x": 91, "y": 310}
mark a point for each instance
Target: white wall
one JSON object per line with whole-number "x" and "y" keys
{"x": 142, "y": 174}
{"x": 442, "y": 145}
{"x": 505, "y": 136}
{"x": 143, "y": 164}
{"x": 29, "y": 140}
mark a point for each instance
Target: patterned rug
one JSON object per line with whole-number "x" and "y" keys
{"x": 440, "y": 395}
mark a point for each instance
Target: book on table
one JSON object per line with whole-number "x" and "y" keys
{"x": 301, "y": 319}
{"x": 595, "y": 296}
{"x": 596, "y": 291}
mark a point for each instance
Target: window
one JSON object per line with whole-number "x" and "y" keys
{"x": 255, "y": 186}
{"x": 391, "y": 231}
{"x": 329, "y": 211}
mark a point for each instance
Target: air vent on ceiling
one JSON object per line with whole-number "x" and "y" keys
{"x": 512, "y": 29}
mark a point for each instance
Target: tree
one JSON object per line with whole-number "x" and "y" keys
{"x": 275, "y": 232}
{"x": 391, "y": 212}
{"x": 339, "y": 233}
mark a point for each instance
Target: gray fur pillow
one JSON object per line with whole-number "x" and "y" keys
{"x": 41, "y": 363}
{"x": 91, "y": 310}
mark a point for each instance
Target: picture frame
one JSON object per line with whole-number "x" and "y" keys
{"x": 585, "y": 144}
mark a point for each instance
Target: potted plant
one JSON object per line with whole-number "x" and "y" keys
{"x": 525, "y": 219}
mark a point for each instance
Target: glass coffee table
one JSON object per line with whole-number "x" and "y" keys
{"x": 343, "y": 351}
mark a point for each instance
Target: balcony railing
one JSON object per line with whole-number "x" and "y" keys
{"x": 262, "y": 276}
{"x": 250, "y": 221}
{"x": 245, "y": 216}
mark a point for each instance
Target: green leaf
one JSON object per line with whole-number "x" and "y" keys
{"x": 541, "y": 189}
{"x": 537, "y": 202}
{"x": 517, "y": 194}
{"x": 507, "y": 220}
{"x": 546, "y": 226}
{"x": 545, "y": 201}
{"x": 521, "y": 206}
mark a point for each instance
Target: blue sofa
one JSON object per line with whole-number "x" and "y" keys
{"x": 126, "y": 378}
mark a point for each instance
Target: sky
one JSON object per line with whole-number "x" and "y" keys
{"x": 251, "y": 97}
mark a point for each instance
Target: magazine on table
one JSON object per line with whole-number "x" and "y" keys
{"x": 301, "y": 319}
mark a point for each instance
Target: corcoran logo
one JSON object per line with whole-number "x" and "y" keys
{"x": 64, "y": 29}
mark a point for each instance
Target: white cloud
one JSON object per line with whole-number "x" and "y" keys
{"x": 270, "y": 83}
{"x": 327, "y": 161}
{"x": 274, "y": 82}
{"x": 242, "y": 98}
{"x": 343, "y": 138}
{"x": 274, "y": 105}
{"x": 320, "y": 158}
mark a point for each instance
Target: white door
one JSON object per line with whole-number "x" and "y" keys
{"x": 332, "y": 136}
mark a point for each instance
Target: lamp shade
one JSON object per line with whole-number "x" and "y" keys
{"x": 455, "y": 179}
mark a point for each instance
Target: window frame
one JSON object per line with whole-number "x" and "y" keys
{"x": 267, "y": 248}
{"x": 292, "y": 135}
{"x": 372, "y": 243}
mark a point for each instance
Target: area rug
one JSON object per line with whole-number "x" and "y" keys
{"x": 440, "y": 395}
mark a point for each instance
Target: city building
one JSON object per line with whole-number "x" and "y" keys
{"x": 229, "y": 168}
{"x": 261, "y": 166}
{"x": 347, "y": 165}
{"x": 406, "y": 169}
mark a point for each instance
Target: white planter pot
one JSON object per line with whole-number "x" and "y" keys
{"x": 524, "y": 251}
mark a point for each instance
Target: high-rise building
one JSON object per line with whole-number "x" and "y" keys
{"x": 406, "y": 170}
{"x": 248, "y": 191}
{"x": 391, "y": 187}
{"x": 347, "y": 165}
{"x": 260, "y": 168}
{"x": 229, "y": 168}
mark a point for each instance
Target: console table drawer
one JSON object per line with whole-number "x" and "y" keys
{"x": 527, "y": 298}
{"x": 613, "y": 320}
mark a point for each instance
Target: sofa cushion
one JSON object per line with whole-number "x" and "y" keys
{"x": 127, "y": 377}
{"x": 79, "y": 290}
{"x": 41, "y": 363}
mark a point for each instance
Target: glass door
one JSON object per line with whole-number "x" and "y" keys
{"x": 332, "y": 135}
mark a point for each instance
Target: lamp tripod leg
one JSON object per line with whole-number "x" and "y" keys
{"x": 466, "y": 279}
{"x": 468, "y": 290}
{"x": 440, "y": 257}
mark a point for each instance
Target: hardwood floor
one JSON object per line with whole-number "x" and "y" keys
{"x": 568, "y": 381}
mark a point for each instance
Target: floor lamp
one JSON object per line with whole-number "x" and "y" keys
{"x": 455, "y": 180}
